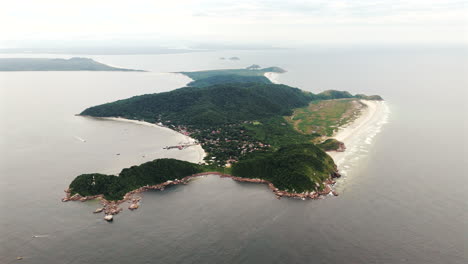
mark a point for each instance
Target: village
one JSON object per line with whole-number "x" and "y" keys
{"x": 224, "y": 145}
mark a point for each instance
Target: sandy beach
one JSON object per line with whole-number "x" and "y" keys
{"x": 366, "y": 126}
{"x": 272, "y": 76}
{"x": 184, "y": 138}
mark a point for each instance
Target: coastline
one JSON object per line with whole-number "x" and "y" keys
{"x": 272, "y": 76}
{"x": 201, "y": 152}
{"x": 368, "y": 116}
{"x": 111, "y": 208}
{"x": 372, "y": 114}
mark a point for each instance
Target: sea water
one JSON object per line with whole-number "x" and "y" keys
{"x": 402, "y": 198}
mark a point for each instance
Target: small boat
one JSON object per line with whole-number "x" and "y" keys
{"x": 80, "y": 139}
{"x": 108, "y": 218}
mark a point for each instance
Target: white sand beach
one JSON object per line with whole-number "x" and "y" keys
{"x": 361, "y": 130}
{"x": 272, "y": 76}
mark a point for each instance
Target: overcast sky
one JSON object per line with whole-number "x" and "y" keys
{"x": 280, "y": 23}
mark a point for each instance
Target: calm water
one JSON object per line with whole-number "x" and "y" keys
{"x": 403, "y": 201}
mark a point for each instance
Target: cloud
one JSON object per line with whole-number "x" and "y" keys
{"x": 319, "y": 21}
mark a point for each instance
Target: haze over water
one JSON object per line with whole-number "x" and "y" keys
{"x": 403, "y": 201}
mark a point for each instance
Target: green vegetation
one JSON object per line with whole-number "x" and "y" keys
{"x": 207, "y": 106}
{"x": 219, "y": 79}
{"x": 39, "y": 64}
{"x": 276, "y": 132}
{"x": 198, "y": 75}
{"x": 233, "y": 119}
{"x": 263, "y": 130}
{"x": 149, "y": 173}
{"x": 296, "y": 168}
{"x": 369, "y": 97}
{"x": 323, "y": 117}
{"x": 333, "y": 94}
{"x": 331, "y": 144}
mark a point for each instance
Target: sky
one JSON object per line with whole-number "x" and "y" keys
{"x": 269, "y": 22}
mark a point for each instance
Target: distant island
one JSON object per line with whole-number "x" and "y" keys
{"x": 40, "y": 64}
{"x": 231, "y": 58}
{"x": 251, "y": 71}
{"x": 252, "y": 130}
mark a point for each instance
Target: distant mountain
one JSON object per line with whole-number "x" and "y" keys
{"x": 198, "y": 75}
{"x": 218, "y": 79}
{"x": 99, "y": 50}
{"x": 40, "y": 64}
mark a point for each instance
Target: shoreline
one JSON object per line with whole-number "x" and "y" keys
{"x": 111, "y": 208}
{"x": 201, "y": 152}
{"x": 272, "y": 76}
{"x": 369, "y": 116}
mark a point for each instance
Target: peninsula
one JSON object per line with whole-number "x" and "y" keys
{"x": 41, "y": 64}
{"x": 252, "y": 130}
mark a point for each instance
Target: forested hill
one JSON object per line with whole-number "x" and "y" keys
{"x": 239, "y": 121}
{"x": 294, "y": 168}
{"x": 214, "y": 105}
{"x": 249, "y": 71}
{"x": 233, "y": 78}
{"x": 41, "y": 64}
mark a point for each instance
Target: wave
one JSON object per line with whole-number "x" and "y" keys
{"x": 360, "y": 144}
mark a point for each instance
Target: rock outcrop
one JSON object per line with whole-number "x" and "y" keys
{"x": 111, "y": 208}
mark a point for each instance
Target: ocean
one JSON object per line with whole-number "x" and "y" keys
{"x": 403, "y": 196}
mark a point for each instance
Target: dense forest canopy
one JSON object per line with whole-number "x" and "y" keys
{"x": 330, "y": 144}
{"x": 213, "y": 105}
{"x": 238, "y": 116}
{"x": 149, "y": 173}
{"x": 198, "y": 75}
{"x": 233, "y": 78}
{"x": 296, "y": 168}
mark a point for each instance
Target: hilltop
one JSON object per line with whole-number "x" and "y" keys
{"x": 202, "y": 106}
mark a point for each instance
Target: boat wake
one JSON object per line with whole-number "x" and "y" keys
{"x": 39, "y": 236}
{"x": 80, "y": 139}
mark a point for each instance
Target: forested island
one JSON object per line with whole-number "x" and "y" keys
{"x": 253, "y": 70}
{"x": 41, "y": 64}
{"x": 252, "y": 130}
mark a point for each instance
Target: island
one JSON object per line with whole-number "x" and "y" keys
{"x": 248, "y": 71}
{"x": 42, "y": 64}
{"x": 251, "y": 129}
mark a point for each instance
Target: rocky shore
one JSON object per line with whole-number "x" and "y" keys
{"x": 111, "y": 208}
